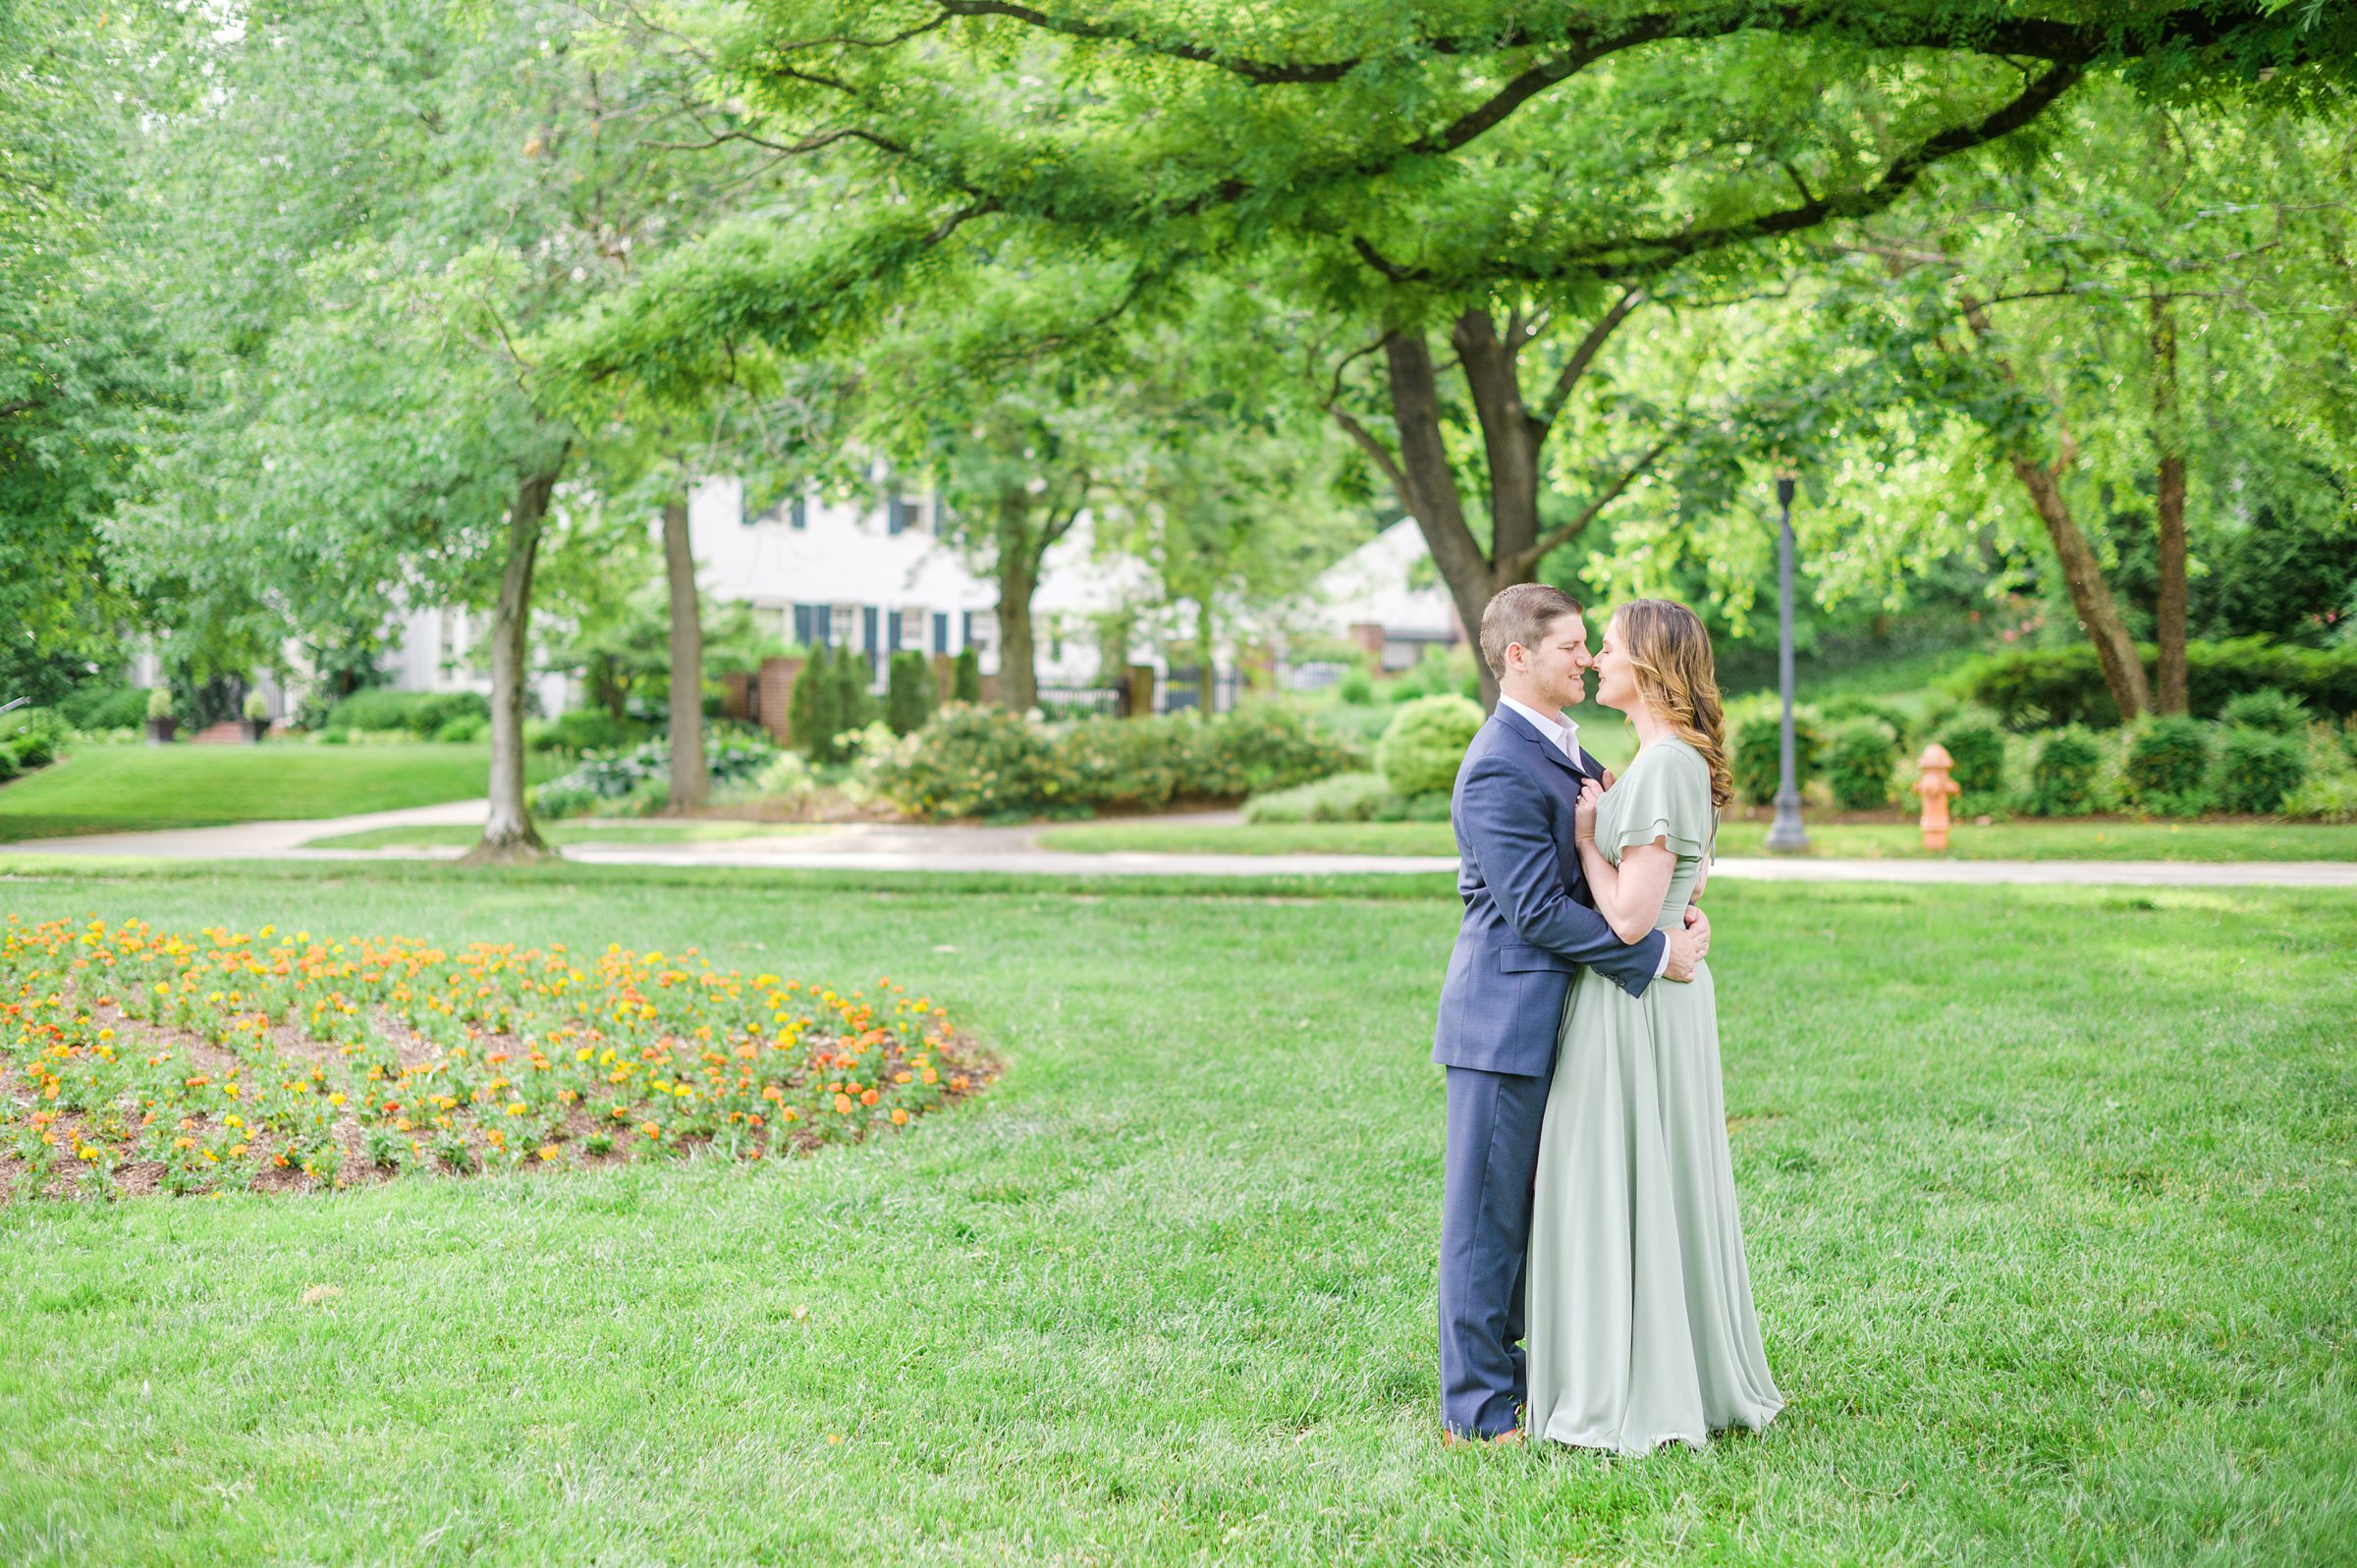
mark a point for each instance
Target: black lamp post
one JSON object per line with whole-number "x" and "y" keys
{"x": 1785, "y": 835}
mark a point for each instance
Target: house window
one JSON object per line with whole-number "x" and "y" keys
{"x": 900, "y": 515}
{"x": 909, "y": 628}
{"x": 813, "y": 626}
{"x": 941, "y": 631}
{"x": 844, "y": 627}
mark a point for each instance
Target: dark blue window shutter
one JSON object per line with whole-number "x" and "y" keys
{"x": 801, "y": 625}
{"x": 897, "y": 511}
{"x": 798, "y": 514}
{"x": 892, "y": 636}
{"x": 868, "y": 613}
{"x": 966, "y": 631}
{"x": 941, "y": 631}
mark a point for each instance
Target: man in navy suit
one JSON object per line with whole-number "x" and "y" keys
{"x": 1529, "y": 923}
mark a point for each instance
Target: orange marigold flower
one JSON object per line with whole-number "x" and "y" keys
{"x": 868, "y": 1098}
{"x": 843, "y": 1104}
{"x": 900, "y": 1118}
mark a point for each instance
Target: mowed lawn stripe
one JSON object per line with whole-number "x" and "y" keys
{"x": 2046, "y": 1193}
{"x": 143, "y": 788}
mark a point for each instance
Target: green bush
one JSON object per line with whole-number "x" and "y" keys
{"x": 1263, "y": 745}
{"x": 586, "y": 730}
{"x": 1977, "y": 745}
{"x": 908, "y": 697}
{"x": 972, "y": 761}
{"x": 2033, "y": 687}
{"x": 103, "y": 707}
{"x": 8, "y": 764}
{"x": 1757, "y": 757}
{"x": 1125, "y": 764}
{"x": 2063, "y": 779}
{"x": 810, "y": 708}
{"x": 2257, "y": 769}
{"x": 1357, "y": 687}
{"x": 2276, "y": 712}
{"x": 1848, "y": 707}
{"x": 1345, "y": 798}
{"x": 966, "y": 676}
{"x": 1419, "y": 753}
{"x": 854, "y": 705}
{"x": 159, "y": 703}
{"x": 32, "y": 750}
{"x": 1860, "y": 758}
{"x": 2166, "y": 766}
{"x": 421, "y": 712}
{"x": 463, "y": 729}
{"x": 637, "y": 781}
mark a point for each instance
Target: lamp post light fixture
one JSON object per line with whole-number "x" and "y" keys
{"x": 1785, "y": 835}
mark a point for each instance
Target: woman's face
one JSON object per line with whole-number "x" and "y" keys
{"x": 1615, "y": 684}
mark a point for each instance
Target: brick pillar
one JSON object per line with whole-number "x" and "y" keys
{"x": 776, "y": 681}
{"x": 1141, "y": 691}
{"x": 1368, "y": 634}
{"x": 736, "y": 694}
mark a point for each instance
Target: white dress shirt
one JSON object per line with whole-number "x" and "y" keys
{"x": 1565, "y": 736}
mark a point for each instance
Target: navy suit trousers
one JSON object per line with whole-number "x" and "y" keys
{"x": 1488, "y": 1169}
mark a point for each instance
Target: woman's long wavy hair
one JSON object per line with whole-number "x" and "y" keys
{"x": 1669, "y": 655}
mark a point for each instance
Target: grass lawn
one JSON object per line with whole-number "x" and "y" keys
{"x": 566, "y": 831}
{"x": 2016, "y": 840}
{"x": 136, "y": 788}
{"x": 2049, "y": 1195}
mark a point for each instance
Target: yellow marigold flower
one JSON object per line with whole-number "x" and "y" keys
{"x": 900, "y": 1118}
{"x": 516, "y": 1108}
{"x": 547, "y": 1151}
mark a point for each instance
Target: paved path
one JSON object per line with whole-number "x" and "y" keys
{"x": 873, "y": 846}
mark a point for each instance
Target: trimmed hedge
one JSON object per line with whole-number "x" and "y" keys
{"x": 2064, "y": 777}
{"x": 2168, "y": 766}
{"x": 1859, "y": 764}
{"x": 973, "y": 761}
{"x": 419, "y": 712}
{"x": 1757, "y": 757}
{"x": 1978, "y": 747}
{"x": 2034, "y": 688}
{"x": 2258, "y": 769}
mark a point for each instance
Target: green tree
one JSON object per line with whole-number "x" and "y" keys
{"x": 909, "y": 700}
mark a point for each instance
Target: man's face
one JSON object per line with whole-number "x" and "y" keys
{"x": 1556, "y": 666}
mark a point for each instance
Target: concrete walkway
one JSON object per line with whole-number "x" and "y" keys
{"x": 875, "y": 847}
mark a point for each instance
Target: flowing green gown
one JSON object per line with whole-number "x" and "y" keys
{"x": 1640, "y": 1323}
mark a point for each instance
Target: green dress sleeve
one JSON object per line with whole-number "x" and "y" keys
{"x": 1668, "y": 798}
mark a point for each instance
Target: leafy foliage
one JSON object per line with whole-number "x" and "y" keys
{"x": 2033, "y": 687}
{"x": 2259, "y": 769}
{"x": 1757, "y": 756}
{"x": 2168, "y": 766}
{"x": 2277, "y": 712}
{"x": 1861, "y": 757}
{"x": 2066, "y": 775}
{"x": 909, "y": 698}
{"x": 1424, "y": 744}
{"x": 1977, "y": 747}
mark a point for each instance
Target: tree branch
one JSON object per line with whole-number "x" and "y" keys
{"x": 1585, "y": 354}
{"x": 1374, "y": 448}
{"x": 1528, "y": 560}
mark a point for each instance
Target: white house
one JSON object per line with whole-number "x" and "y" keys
{"x": 1386, "y": 597}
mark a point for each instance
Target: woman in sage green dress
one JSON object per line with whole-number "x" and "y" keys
{"x": 1640, "y": 1322}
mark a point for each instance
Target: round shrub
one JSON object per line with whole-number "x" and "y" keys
{"x": 463, "y": 729}
{"x": 2257, "y": 769}
{"x": 159, "y": 702}
{"x": 1978, "y": 746}
{"x": 2168, "y": 759}
{"x": 1860, "y": 758}
{"x": 1758, "y": 760}
{"x": 2277, "y": 712}
{"x": 2062, "y": 778}
{"x": 32, "y": 750}
{"x": 1357, "y": 687}
{"x": 972, "y": 761}
{"x": 1840, "y": 709}
{"x": 1345, "y": 798}
{"x": 1419, "y": 753}
{"x": 8, "y": 764}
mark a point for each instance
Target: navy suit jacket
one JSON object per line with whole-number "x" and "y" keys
{"x": 1529, "y": 921}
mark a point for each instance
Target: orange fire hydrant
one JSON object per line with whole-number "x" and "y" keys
{"x": 1936, "y": 788}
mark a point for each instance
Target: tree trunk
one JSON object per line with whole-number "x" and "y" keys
{"x": 2169, "y": 507}
{"x": 690, "y": 782}
{"x": 2090, "y": 595}
{"x": 1510, "y": 438}
{"x": 509, "y": 835}
{"x": 1018, "y": 579}
{"x": 1431, "y": 494}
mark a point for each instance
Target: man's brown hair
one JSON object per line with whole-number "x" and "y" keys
{"x": 1521, "y": 614}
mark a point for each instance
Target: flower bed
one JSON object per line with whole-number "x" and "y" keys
{"x": 137, "y": 1060}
